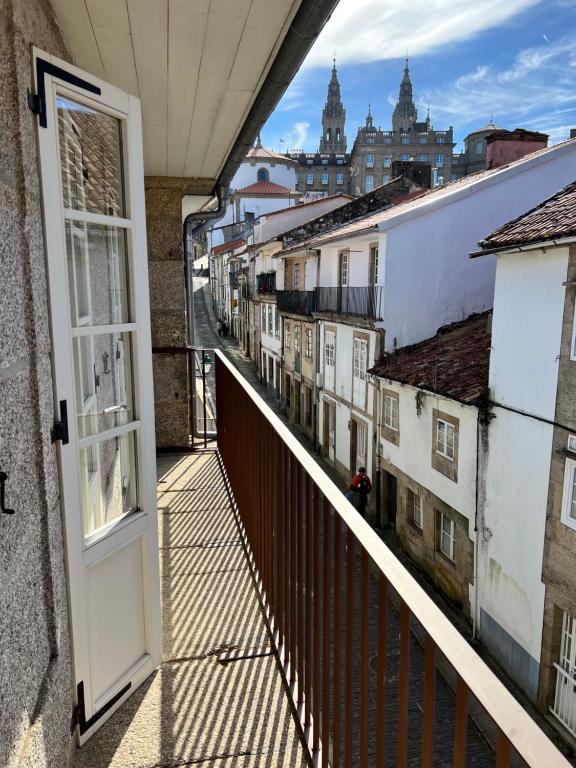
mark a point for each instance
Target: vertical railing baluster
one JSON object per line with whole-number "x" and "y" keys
{"x": 350, "y": 648}
{"x": 403, "y": 685}
{"x": 299, "y": 585}
{"x": 285, "y": 513}
{"x": 293, "y": 539}
{"x": 461, "y": 727}
{"x": 503, "y": 751}
{"x": 429, "y": 700}
{"x": 381, "y": 669}
{"x": 337, "y": 639}
{"x": 364, "y": 659}
{"x": 308, "y": 606}
{"x": 326, "y": 516}
{"x": 316, "y": 629}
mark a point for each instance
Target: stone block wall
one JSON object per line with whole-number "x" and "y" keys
{"x": 35, "y": 668}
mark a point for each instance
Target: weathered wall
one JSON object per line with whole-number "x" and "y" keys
{"x": 35, "y": 672}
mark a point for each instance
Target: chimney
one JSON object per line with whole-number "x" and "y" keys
{"x": 503, "y": 147}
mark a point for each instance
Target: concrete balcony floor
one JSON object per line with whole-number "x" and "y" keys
{"x": 196, "y": 710}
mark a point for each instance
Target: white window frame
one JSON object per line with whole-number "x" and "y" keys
{"x": 344, "y": 267}
{"x": 417, "y": 511}
{"x": 330, "y": 359}
{"x": 296, "y": 277}
{"x": 308, "y": 343}
{"x": 439, "y": 161}
{"x": 568, "y": 514}
{"x": 276, "y": 323}
{"x": 391, "y": 412}
{"x": 447, "y": 537}
{"x": 442, "y": 446}
{"x": 370, "y": 161}
{"x": 374, "y": 257}
{"x": 325, "y": 179}
{"x": 387, "y": 161}
{"x": 368, "y": 182}
{"x": 339, "y": 178}
{"x": 287, "y": 334}
{"x": 309, "y": 179}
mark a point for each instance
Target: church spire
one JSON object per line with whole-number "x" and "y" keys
{"x": 405, "y": 114}
{"x": 333, "y": 117}
{"x": 369, "y": 120}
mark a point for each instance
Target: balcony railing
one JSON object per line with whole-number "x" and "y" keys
{"x": 355, "y": 301}
{"x": 266, "y": 282}
{"x": 298, "y": 302}
{"x": 378, "y": 675}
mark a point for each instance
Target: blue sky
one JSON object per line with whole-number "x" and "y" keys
{"x": 514, "y": 59}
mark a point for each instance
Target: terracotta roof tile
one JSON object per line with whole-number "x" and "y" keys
{"x": 553, "y": 219}
{"x": 266, "y": 188}
{"x": 454, "y": 362}
{"x": 231, "y": 245}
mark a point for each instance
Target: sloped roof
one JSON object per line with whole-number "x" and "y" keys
{"x": 342, "y": 195}
{"x": 231, "y": 245}
{"x": 454, "y": 363}
{"x": 553, "y": 219}
{"x": 445, "y": 193}
{"x": 266, "y": 188}
{"x": 260, "y": 153}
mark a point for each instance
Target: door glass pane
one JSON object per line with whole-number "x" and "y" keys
{"x": 108, "y": 482}
{"x": 90, "y": 159}
{"x": 103, "y": 382}
{"x": 97, "y": 274}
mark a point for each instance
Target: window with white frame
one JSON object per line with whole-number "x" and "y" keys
{"x": 405, "y": 139}
{"x": 344, "y": 262}
{"x": 276, "y": 323}
{"x": 447, "y": 535}
{"x": 264, "y": 325}
{"x": 359, "y": 371}
{"x": 287, "y": 334}
{"x": 417, "y": 514}
{"x": 387, "y": 161}
{"x": 445, "y": 439}
{"x": 568, "y": 515}
{"x": 325, "y": 178}
{"x": 368, "y": 183}
{"x": 369, "y": 161}
{"x": 439, "y": 161}
{"x": 308, "y": 343}
{"x": 405, "y": 158}
{"x": 309, "y": 179}
{"x": 440, "y": 140}
{"x": 373, "y": 276}
{"x": 385, "y": 178}
{"x": 297, "y": 338}
{"x": 339, "y": 178}
{"x": 423, "y": 138}
{"x": 391, "y": 412}
{"x": 296, "y": 277}
{"x": 270, "y": 320}
{"x": 329, "y": 358}
{"x": 479, "y": 147}
{"x": 370, "y": 140}
{"x": 422, "y": 158}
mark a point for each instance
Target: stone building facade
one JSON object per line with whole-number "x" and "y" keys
{"x": 369, "y": 165}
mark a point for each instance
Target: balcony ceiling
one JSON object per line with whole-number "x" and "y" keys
{"x": 196, "y": 65}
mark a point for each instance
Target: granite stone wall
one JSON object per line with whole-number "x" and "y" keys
{"x": 35, "y": 667}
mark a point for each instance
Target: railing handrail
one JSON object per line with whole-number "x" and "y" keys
{"x": 513, "y": 721}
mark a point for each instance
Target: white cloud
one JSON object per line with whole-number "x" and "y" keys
{"x": 371, "y": 30}
{"x": 294, "y": 137}
{"x": 537, "y": 91}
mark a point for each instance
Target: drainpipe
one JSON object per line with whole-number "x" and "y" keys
{"x": 476, "y": 544}
{"x": 377, "y": 479}
{"x": 316, "y": 388}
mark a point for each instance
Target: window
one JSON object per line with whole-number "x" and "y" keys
{"x": 340, "y": 161}
{"x": 447, "y": 536}
{"x": 329, "y": 359}
{"x": 296, "y": 277}
{"x": 387, "y": 139}
{"x": 309, "y": 161}
{"x": 439, "y": 161}
{"x": 368, "y": 183}
{"x": 391, "y": 412}
{"x": 287, "y": 334}
{"x": 422, "y": 158}
{"x": 370, "y": 140}
{"x": 479, "y": 147}
{"x": 297, "y": 338}
{"x": 276, "y": 323}
{"x": 405, "y": 158}
{"x": 263, "y": 325}
{"x": 405, "y": 140}
{"x": 324, "y": 161}
{"x": 440, "y": 140}
{"x": 339, "y": 178}
{"x": 568, "y": 515}
{"x": 385, "y": 178}
{"x": 344, "y": 257}
{"x": 573, "y": 345}
{"x": 270, "y": 320}
{"x": 387, "y": 161}
{"x": 308, "y": 343}
{"x": 414, "y": 508}
{"x": 373, "y": 276}
{"x": 309, "y": 179}
{"x": 324, "y": 178}
{"x": 263, "y": 174}
{"x": 423, "y": 138}
{"x": 369, "y": 161}
{"x": 445, "y": 439}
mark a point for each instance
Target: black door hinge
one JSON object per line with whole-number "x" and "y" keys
{"x": 60, "y": 429}
{"x": 79, "y": 712}
{"x": 37, "y": 102}
{"x": 34, "y": 102}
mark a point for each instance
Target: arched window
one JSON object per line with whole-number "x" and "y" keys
{"x": 329, "y": 134}
{"x": 337, "y": 134}
{"x": 263, "y": 174}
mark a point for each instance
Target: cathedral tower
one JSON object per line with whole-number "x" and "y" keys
{"x": 405, "y": 114}
{"x": 333, "y": 116}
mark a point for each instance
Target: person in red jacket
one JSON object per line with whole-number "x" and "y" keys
{"x": 362, "y": 485}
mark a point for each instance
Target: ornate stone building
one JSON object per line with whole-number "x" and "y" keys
{"x": 369, "y": 165}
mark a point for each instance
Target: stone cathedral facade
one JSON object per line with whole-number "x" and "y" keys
{"x": 370, "y": 162}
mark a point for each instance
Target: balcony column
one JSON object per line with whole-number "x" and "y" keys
{"x": 168, "y": 307}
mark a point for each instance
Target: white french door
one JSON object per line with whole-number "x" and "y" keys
{"x": 360, "y": 446}
{"x": 565, "y": 698}
{"x": 90, "y": 143}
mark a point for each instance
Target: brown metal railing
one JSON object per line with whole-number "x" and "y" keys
{"x": 378, "y": 675}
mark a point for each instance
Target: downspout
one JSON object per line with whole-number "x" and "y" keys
{"x": 476, "y": 541}
{"x": 316, "y": 424}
